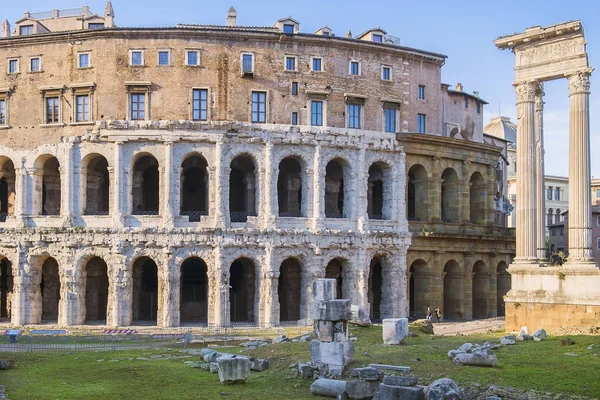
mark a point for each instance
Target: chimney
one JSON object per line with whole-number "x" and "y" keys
{"x": 109, "y": 14}
{"x": 349, "y": 34}
{"x": 5, "y": 28}
{"x": 231, "y": 17}
{"x": 459, "y": 87}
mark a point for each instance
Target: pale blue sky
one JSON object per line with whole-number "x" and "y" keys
{"x": 462, "y": 30}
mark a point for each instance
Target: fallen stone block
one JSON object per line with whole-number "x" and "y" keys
{"x": 307, "y": 371}
{"x": 259, "y": 364}
{"x": 233, "y": 369}
{"x": 254, "y": 344}
{"x": 333, "y": 354}
{"x": 332, "y": 310}
{"x": 539, "y": 335}
{"x": 305, "y": 338}
{"x": 508, "y": 340}
{"x": 280, "y": 339}
{"x": 478, "y": 360}
{"x": 211, "y": 356}
{"x": 524, "y": 337}
{"x": 324, "y": 289}
{"x": 390, "y": 367}
{"x": 5, "y": 364}
{"x": 466, "y": 347}
{"x": 205, "y": 351}
{"x": 400, "y": 380}
{"x": 395, "y": 330}
{"x": 361, "y": 390}
{"x": 443, "y": 389}
{"x": 453, "y": 353}
{"x": 388, "y": 392}
{"x": 328, "y": 387}
{"x": 369, "y": 374}
{"x": 424, "y": 325}
{"x": 360, "y": 316}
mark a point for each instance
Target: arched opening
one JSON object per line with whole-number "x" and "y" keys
{"x": 289, "y": 290}
{"x": 50, "y": 290}
{"x": 375, "y": 289}
{"x": 477, "y": 198}
{"x": 145, "y": 188}
{"x": 145, "y": 290}
{"x": 242, "y": 277}
{"x": 6, "y": 288}
{"x": 242, "y": 189}
{"x": 502, "y": 286}
{"x": 194, "y": 188}
{"x": 7, "y": 188}
{"x": 289, "y": 188}
{"x": 419, "y": 296}
{"x": 452, "y": 308}
{"x": 450, "y": 195}
{"x": 97, "y": 190}
{"x": 335, "y": 270}
{"x": 336, "y": 203}
{"x": 480, "y": 290}
{"x": 379, "y": 192}
{"x": 96, "y": 290}
{"x": 557, "y": 216}
{"x": 417, "y": 202}
{"x": 51, "y": 192}
{"x": 194, "y": 290}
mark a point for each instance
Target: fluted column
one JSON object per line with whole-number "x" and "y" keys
{"x": 539, "y": 174}
{"x": 580, "y": 232}
{"x": 526, "y": 252}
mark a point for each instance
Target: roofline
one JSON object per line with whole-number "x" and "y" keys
{"x": 448, "y": 141}
{"x": 496, "y": 137}
{"x": 479, "y": 99}
{"x": 537, "y": 33}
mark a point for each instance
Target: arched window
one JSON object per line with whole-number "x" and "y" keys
{"x": 289, "y": 188}
{"x": 336, "y": 201}
{"x": 477, "y": 194}
{"x": 242, "y": 189}
{"x": 379, "y": 192}
{"x": 449, "y": 198}
{"x": 417, "y": 197}
{"x": 97, "y": 192}
{"x": 194, "y": 188}
{"x": 146, "y": 186}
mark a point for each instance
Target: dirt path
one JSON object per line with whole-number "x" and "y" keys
{"x": 467, "y": 327}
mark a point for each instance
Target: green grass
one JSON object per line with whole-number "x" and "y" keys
{"x": 78, "y": 375}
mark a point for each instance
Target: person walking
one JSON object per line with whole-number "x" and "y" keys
{"x": 429, "y": 314}
{"x": 438, "y": 314}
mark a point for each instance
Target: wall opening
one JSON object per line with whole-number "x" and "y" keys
{"x": 375, "y": 288}
{"x": 289, "y": 290}
{"x": 194, "y": 290}
{"x": 503, "y": 286}
{"x": 194, "y": 188}
{"x": 335, "y": 192}
{"x": 289, "y": 188}
{"x": 145, "y": 187}
{"x": 480, "y": 290}
{"x": 145, "y": 290}
{"x": 51, "y": 193}
{"x": 450, "y": 196}
{"x": 7, "y": 188}
{"x": 477, "y": 194}
{"x": 97, "y": 191}
{"x": 335, "y": 270}
{"x": 379, "y": 196}
{"x": 6, "y": 288}
{"x": 452, "y": 308}
{"x": 419, "y": 291}
{"x": 242, "y": 284}
{"x": 242, "y": 189}
{"x": 417, "y": 197}
{"x": 50, "y": 290}
{"x": 96, "y": 290}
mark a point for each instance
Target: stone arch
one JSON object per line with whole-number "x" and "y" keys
{"x": 480, "y": 290}
{"x": 417, "y": 196}
{"x": 419, "y": 288}
{"x": 477, "y": 195}
{"x": 242, "y": 292}
{"x": 47, "y": 289}
{"x": 290, "y": 188}
{"x": 194, "y": 192}
{"x": 450, "y": 196}
{"x": 376, "y": 293}
{"x": 145, "y": 290}
{"x": 337, "y": 269}
{"x": 453, "y": 291}
{"x": 46, "y": 186}
{"x": 289, "y": 289}
{"x": 243, "y": 188}
{"x": 96, "y": 290}
{"x": 6, "y": 287}
{"x": 145, "y": 185}
{"x": 503, "y": 286}
{"x": 379, "y": 191}
{"x": 97, "y": 184}
{"x": 194, "y": 290}
{"x": 7, "y": 188}
{"x": 337, "y": 185}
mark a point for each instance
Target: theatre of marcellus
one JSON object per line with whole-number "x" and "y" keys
{"x": 204, "y": 174}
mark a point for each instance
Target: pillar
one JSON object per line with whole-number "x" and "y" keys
{"x": 67, "y": 183}
{"x": 218, "y": 280}
{"x": 117, "y": 184}
{"x": 270, "y": 188}
{"x": 526, "y": 251}
{"x": 168, "y": 291}
{"x": 362, "y": 190}
{"x": 466, "y": 307}
{"x": 319, "y": 190}
{"x": 220, "y": 188}
{"x": 539, "y": 175}
{"x": 580, "y": 214}
{"x": 167, "y": 203}
{"x": 268, "y": 301}
{"x": 398, "y": 197}
{"x": 434, "y": 191}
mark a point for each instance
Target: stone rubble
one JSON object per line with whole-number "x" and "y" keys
{"x": 424, "y": 325}
{"x": 233, "y": 369}
{"x": 475, "y": 355}
{"x": 328, "y": 387}
{"x": 443, "y": 389}
{"x": 395, "y": 330}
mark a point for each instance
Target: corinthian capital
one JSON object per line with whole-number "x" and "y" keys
{"x": 526, "y": 92}
{"x": 579, "y": 82}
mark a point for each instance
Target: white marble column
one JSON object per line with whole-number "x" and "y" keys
{"x": 580, "y": 231}
{"x": 540, "y": 183}
{"x": 117, "y": 185}
{"x": 526, "y": 251}
{"x": 319, "y": 190}
{"x": 67, "y": 178}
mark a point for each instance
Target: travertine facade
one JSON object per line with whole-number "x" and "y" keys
{"x": 211, "y": 173}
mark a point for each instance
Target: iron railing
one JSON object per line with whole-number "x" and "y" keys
{"x": 238, "y": 216}
{"x": 194, "y": 216}
{"x": 145, "y": 212}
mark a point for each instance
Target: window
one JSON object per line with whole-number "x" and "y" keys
{"x": 478, "y": 105}
{"x": 421, "y": 92}
{"x": 200, "y": 105}
{"x": 354, "y": 111}
{"x": 557, "y": 194}
{"x": 247, "y": 63}
{"x": 136, "y": 57}
{"x": 52, "y": 116}
{"x": 386, "y": 73}
{"x": 598, "y": 220}
{"x": 192, "y": 57}
{"x": 354, "y": 68}
{"x": 294, "y": 88}
{"x": 557, "y": 217}
{"x": 259, "y": 107}
{"x": 2, "y": 112}
{"x": 163, "y": 57}
{"x": 26, "y": 30}
{"x": 288, "y": 28}
{"x": 290, "y": 63}
{"x": 325, "y": 33}
{"x": 562, "y": 231}
{"x": 549, "y": 193}
{"x": 317, "y": 64}
{"x": 553, "y": 232}
{"x": 515, "y": 167}
{"x": 316, "y": 113}
{"x": 466, "y": 102}
{"x": 598, "y": 244}
{"x": 390, "y": 119}
{"x": 421, "y": 123}
{"x": 138, "y": 106}
{"x": 97, "y": 25}
{"x": 82, "y": 111}
{"x": 35, "y": 64}
{"x": 13, "y": 66}
{"x": 597, "y": 193}
{"x": 83, "y": 60}
{"x": 549, "y": 216}
{"x": 294, "y": 118}
{"x": 377, "y": 38}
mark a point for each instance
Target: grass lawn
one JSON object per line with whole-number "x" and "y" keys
{"x": 540, "y": 366}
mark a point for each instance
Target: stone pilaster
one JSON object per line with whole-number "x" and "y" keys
{"x": 580, "y": 231}
{"x": 362, "y": 180}
{"x": 167, "y": 197}
{"x": 493, "y": 286}
{"x": 218, "y": 284}
{"x": 319, "y": 191}
{"x": 437, "y": 281}
{"x": 21, "y": 194}
{"x": 221, "y": 192}
{"x": 526, "y": 244}
{"x": 269, "y": 297}
{"x": 435, "y": 191}
{"x": 117, "y": 184}
{"x": 539, "y": 175}
{"x": 399, "y": 183}
{"x": 466, "y": 306}
{"x": 67, "y": 184}
{"x": 271, "y": 205}
{"x": 20, "y": 302}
